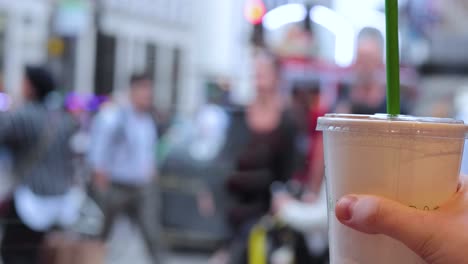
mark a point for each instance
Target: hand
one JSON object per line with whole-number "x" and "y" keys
{"x": 206, "y": 204}
{"x": 280, "y": 200}
{"x": 101, "y": 181}
{"x": 309, "y": 197}
{"x": 439, "y": 237}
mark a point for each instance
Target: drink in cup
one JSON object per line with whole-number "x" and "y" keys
{"x": 414, "y": 161}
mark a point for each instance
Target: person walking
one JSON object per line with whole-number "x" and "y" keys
{"x": 38, "y": 137}
{"x": 267, "y": 155}
{"x": 123, "y": 157}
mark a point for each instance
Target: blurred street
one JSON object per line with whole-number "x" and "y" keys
{"x": 127, "y": 247}
{"x": 202, "y": 120}
{"x": 126, "y": 244}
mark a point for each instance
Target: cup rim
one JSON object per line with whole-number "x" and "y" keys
{"x": 393, "y": 125}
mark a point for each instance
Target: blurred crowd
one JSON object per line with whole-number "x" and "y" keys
{"x": 80, "y": 163}
{"x": 245, "y": 182}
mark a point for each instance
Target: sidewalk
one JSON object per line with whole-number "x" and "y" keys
{"x": 127, "y": 247}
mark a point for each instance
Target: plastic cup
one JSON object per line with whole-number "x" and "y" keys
{"x": 414, "y": 161}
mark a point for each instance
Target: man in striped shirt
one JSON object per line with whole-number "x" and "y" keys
{"x": 38, "y": 139}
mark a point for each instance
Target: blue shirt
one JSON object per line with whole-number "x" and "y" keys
{"x": 123, "y": 145}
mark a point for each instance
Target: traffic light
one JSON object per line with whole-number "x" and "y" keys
{"x": 254, "y": 11}
{"x": 258, "y": 36}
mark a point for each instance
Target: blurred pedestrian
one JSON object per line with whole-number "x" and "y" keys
{"x": 38, "y": 137}
{"x": 268, "y": 155}
{"x": 368, "y": 95}
{"x": 366, "y": 75}
{"x": 308, "y": 214}
{"x": 367, "y": 79}
{"x": 369, "y": 57}
{"x": 307, "y": 108}
{"x": 123, "y": 156}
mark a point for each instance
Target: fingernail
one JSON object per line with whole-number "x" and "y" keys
{"x": 344, "y": 208}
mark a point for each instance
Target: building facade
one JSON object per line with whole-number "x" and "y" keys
{"x": 23, "y": 39}
{"x": 94, "y": 46}
{"x": 151, "y": 36}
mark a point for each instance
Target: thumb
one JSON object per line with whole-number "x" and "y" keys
{"x": 374, "y": 215}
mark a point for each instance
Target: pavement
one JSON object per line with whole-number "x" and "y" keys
{"x": 127, "y": 246}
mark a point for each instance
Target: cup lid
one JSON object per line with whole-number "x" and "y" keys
{"x": 400, "y": 125}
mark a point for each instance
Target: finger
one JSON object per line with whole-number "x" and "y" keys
{"x": 374, "y": 215}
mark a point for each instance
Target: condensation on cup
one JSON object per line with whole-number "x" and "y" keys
{"x": 414, "y": 161}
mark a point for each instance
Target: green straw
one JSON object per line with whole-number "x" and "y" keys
{"x": 393, "y": 58}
